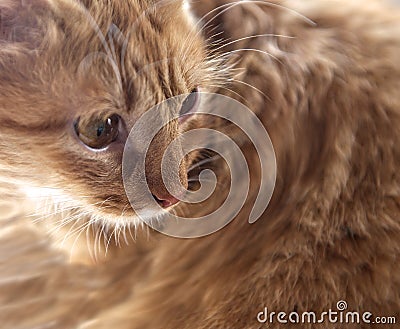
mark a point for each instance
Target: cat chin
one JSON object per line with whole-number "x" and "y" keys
{"x": 49, "y": 202}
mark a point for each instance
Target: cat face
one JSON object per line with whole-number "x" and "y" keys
{"x": 75, "y": 76}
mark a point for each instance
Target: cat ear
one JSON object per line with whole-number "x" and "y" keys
{"x": 186, "y": 6}
{"x": 8, "y": 12}
{"x": 19, "y": 21}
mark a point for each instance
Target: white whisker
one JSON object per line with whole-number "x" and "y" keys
{"x": 248, "y": 49}
{"x": 253, "y": 37}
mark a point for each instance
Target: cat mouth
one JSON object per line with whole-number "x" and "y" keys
{"x": 109, "y": 212}
{"x": 170, "y": 203}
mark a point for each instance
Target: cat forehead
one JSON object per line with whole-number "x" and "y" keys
{"x": 90, "y": 38}
{"x": 76, "y": 28}
{"x": 19, "y": 17}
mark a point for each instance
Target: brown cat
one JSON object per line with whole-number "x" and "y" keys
{"x": 322, "y": 76}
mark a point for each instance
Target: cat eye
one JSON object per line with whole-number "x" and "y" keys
{"x": 98, "y": 133}
{"x": 190, "y": 103}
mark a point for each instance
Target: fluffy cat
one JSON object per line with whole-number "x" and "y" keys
{"x": 324, "y": 82}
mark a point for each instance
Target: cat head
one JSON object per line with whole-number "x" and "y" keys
{"x": 75, "y": 76}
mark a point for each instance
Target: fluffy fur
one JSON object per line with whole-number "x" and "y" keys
{"x": 328, "y": 96}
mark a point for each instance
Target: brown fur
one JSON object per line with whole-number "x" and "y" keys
{"x": 332, "y": 230}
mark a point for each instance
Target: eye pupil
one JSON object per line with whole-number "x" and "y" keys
{"x": 98, "y": 133}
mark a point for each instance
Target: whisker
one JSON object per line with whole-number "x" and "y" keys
{"x": 203, "y": 162}
{"x": 253, "y": 37}
{"x": 252, "y": 2}
{"x": 79, "y": 234}
{"x": 251, "y": 86}
{"x": 249, "y": 49}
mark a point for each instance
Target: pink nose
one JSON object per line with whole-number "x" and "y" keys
{"x": 166, "y": 201}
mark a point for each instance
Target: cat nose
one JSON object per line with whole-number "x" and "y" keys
{"x": 166, "y": 200}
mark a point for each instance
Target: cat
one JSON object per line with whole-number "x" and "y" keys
{"x": 322, "y": 76}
